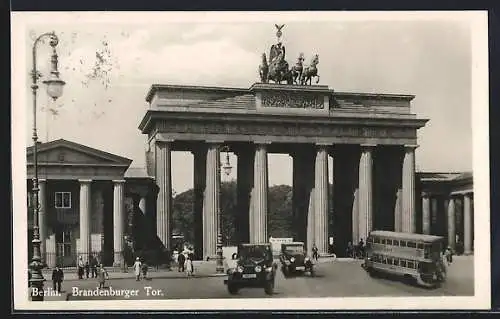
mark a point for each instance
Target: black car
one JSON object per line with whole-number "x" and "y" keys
{"x": 294, "y": 259}
{"x": 254, "y": 268}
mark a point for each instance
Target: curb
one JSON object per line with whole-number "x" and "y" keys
{"x": 155, "y": 277}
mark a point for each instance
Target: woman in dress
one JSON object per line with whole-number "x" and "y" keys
{"x": 137, "y": 269}
{"x": 189, "y": 266}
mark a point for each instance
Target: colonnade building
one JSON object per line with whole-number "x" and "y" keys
{"x": 92, "y": 201}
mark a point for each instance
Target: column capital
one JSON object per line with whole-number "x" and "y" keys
{"x": 425, "y": 194}
{"x": 85, "y": 181}
{"x": 368, "y": 146}
{"x": 119, "y": 181}
{"x": 164, "y": 141}
{"x": 262, "y": 142}
{"x": 42, "y": 180}
{"x": 323, "y": 146}
{"x": 410, "y": 147}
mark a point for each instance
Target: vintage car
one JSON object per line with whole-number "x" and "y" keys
{"x": 294, "y": 259}
{"x": 254, "y": 268}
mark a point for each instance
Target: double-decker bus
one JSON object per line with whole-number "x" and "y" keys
{"x": 408, "y": 255}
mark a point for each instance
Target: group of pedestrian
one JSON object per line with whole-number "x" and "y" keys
{"x": 185, "y": 264}
{"x": 88, "y": 269}
{"x": 140, "y": 268}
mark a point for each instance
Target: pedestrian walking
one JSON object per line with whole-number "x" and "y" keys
{"x": 315, "y": 254}
{"x": 144, "y": 270}
{"x": 137, "y": 269}
{"x": 81, "y": 266}
{"x": 57, "y": 278}
{"x": 449, "y": 255}
{"x": 93, "y": 266}
{"x": 87, "y": 269}
{"x": 189, "y": 267}
{"x": 181, "y": 259}
{"x": 102, "y": 276}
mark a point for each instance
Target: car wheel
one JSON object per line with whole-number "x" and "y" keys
{"x": 232, "y": 288}
{"x": 269, "y": 287}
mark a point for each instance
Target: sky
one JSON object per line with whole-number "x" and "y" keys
{"x": 430, "y": 59}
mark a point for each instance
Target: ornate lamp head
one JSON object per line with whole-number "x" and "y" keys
{"x": 54, "y": 83}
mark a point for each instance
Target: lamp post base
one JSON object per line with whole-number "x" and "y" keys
{"x": 219, "y": 268}
{"x": 36, "y": 281}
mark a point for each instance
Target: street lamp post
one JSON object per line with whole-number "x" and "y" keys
{"x": 227, "y": 170}
{"x": 54, "y": 90}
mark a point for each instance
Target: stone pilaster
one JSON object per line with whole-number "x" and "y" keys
{"x": 467, "y": 224}
{"x": 321, "y": 199}
{"x": 118, "y": 221}
{"x": 408, "y": 198}
{"x": 199, "y": 163}
{"x": 211, "y": 201}
{"x": 164, "y": 200}
{"x": 42, "y": 217}
{"x": 258, "y": 217}
{"x": 451, "y": 223}
{"x": 426, "y": 214}
{"x": 85, "y": 203}
{"x": 365, "y": 191}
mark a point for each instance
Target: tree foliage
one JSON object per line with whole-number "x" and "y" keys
{"x": 279, "y": 214}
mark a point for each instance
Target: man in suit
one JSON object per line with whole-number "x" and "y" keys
{"x": 57, "y": 278}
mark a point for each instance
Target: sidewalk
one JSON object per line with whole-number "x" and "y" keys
{"x": 201, "y": 269}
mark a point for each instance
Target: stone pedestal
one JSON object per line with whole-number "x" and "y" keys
{"x": 164, "y": 201}
{"x": 408, "y": 198}
{"x": 321, "y": 200}
{"x": 85, "y": 219}
{"x": 118, "y": 221}
{"x": 258, "y": 217}
{"x": 365, "y": 191}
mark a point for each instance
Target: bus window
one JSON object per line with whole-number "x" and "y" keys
{"x": 410, "y": 264}
{"x": 384, "y": 260}
{"x": 411, "y": 244}
{"x": 389, "y": 261}
{"x": 382, "y": 241}
{"x": 376, "y": 240}
{"x": 420, "y": 246}
{"x": 395, "y": 262}
{"x": 402, "y": 263}
{"x": 388, "y": 242}
{"x": 402, "y": 243}
{"x": 395, "y": 242}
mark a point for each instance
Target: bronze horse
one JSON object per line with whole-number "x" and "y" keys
{"x": 264, "y": 69}
{"x": 297, "y": 69}
{"x": 310, "y": 71}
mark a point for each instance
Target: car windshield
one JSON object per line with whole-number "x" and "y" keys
{"x": 254, "y": 252}
{"x": 294, "y": 249}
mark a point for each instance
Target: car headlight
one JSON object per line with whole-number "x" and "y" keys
{"x": 269, "y": 269}
{"x": 292, "y": 259}
{"x": 239, "y": 269}
{"x": 258, "y": 268}
{"x": 306, "y": 259}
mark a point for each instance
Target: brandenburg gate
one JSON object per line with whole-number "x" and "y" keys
{"x": 371, "y": 138}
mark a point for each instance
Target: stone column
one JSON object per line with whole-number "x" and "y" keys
{"x": 365, "y": 192}
{"x": 258, "y": 217}
{"x": 321, "y": 199}
{"x": 451, "y": 223}
{"x": 397, "y": 211}
{"x": 164, "y": 200}
{"x": 42, "y": 217}
{"x": 408, "y": 198}
{"x": 118, "y": 221}
{"x": 467, "y": 225}
{"x": 426, "y": 214}
{"x": 211, "y": 201}
{"x": 355, "y": 217}
{"x": 244, "y": 186}
{"x": 85, "y": 219}
{"x": 199, "y": 163}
